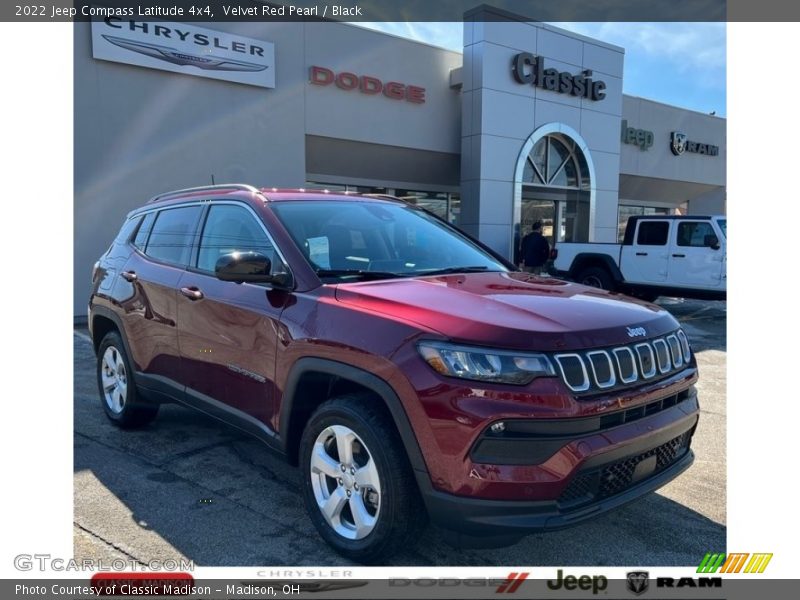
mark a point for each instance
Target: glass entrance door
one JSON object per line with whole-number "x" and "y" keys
{"x": 535, "y": 207}
{"x": 539, "y": 210}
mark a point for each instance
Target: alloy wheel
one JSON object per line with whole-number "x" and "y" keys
{"x": 114, "y": 379}
{"x": 345, "y": 481}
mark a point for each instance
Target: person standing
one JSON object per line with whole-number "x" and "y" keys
{"x": 535, "y": 250}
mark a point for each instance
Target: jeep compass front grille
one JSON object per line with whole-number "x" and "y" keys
{"x": 593, "y": 371}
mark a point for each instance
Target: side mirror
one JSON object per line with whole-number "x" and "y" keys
{"x": 711, "y": 241}
{"x": 250, "y": 267}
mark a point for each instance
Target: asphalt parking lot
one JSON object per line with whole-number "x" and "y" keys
{"x": 189, "y": 487}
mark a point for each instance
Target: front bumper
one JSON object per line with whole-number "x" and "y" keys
{"x": 603, "y": 482}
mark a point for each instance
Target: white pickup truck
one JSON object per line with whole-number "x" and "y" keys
{"x": 681, "y": 256}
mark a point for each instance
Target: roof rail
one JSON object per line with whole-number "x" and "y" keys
{"x": 206, "y": 188}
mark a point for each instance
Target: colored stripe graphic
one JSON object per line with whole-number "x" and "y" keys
{"x": 758, "y": 563}
{"x": 710, "y": 563}
{"x": 734, "y": 562}
{"x": 512, "y": 583}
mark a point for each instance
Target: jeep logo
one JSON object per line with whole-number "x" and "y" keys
{"x": 638, "y": 137}
{"x": 636, "y": 331}
{"x": 596, "y": 583}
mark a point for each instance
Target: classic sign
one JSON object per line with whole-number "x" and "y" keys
{"x": 530, "y": 69}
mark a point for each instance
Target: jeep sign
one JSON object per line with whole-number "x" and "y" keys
{"x": 638, "y": 137}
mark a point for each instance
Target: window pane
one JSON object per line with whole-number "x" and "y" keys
{"x": 435, "y": 202}
{"x": 127, "y": 229}
{"x": 624, "y": 213}
{"x": 558, "y": 154}
{"x": 693, "y": 233}
{"x": 537, "y": 155}
{"x": 568, "y": 176}
{"x": 723, "y": 224}
{"x": 172, "y": 235}
{"x": 653, "y": 233}
{"x": 230, "y": 229}
{"x": 140, "y": 241}
{"x": 455, "y": 209}
{"x": 528, "y": 174}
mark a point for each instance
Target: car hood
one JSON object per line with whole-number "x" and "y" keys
{"x": 511, "y": 310}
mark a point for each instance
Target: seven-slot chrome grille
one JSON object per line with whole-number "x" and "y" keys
{"x": 604, "y": 369}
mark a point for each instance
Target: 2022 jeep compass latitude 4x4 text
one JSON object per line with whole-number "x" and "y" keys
{"x": 406, "y": 369}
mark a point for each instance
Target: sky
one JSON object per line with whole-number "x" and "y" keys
{"x": 676, "y": 63}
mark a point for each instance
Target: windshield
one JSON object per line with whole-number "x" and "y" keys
{"x": 377, "y": 240}
{"x": 723, "y": 225}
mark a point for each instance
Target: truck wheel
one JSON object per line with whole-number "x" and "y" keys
{"x": 647, "y": 296}
{"x": 358, "y": 486}
{"x": 118, "y": 393}
{"x": 596, "y": 277}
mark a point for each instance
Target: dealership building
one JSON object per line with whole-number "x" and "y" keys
{"x": 527, "y": 123}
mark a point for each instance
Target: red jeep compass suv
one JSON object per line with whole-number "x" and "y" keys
{"x": 406, "y": 368}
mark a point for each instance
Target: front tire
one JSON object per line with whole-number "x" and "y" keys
{"x": 358, "y": 486}
{"x": 118, "y": 394}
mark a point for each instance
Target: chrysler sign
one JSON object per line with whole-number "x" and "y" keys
{"x": 184, "y": 48}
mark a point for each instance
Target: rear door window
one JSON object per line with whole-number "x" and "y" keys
{"x": 652, "y": 233}
{"x": 173, "y": 234}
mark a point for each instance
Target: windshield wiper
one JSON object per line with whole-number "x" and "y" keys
{"x": 448, "y": 270}
{"x": 359, "y": 273}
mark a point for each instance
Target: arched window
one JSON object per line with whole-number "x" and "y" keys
{"x": 556, "y": 161}
{"x": 554, "y": 184}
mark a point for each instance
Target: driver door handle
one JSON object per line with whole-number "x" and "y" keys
{"x": 641, "y": 254}
{"x": 128, "y": 276}
{"x": 192, "y": 293}
{"x": 678, "y": 256}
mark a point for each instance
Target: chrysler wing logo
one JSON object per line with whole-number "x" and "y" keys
{"x": 638, "y": 582}
{"x": 678, "y": 143}
{"x": 176, "y": 57}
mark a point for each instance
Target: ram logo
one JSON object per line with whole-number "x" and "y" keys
{"x": 678, "y": 143}
{"x": 636, "y": 332}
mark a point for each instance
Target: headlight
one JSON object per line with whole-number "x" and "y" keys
{"x": 482, "y": 364}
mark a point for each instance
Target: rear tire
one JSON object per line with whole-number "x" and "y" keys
{"x": 118, "y": 394}
{"x": 596, "y": 277}
{"x": 358, "y": 485}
